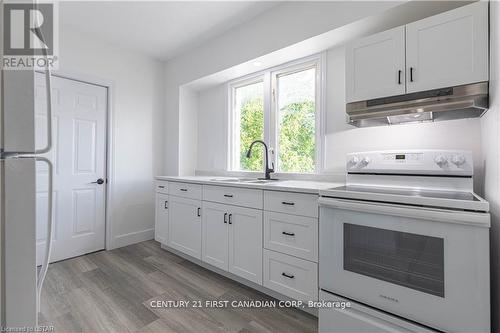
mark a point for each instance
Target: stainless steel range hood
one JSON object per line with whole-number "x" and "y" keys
{"x": 467, "y": 101}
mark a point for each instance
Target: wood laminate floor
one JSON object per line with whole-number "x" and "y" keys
{"x": 111, "y": 291}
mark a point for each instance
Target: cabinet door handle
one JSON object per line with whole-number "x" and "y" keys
{"x": 290, "y": 276}
{"x": 225, "y": 217}
{"x": 230, "y": 218}
{"x": 411, "y": 74}
{"x": 166, "y": 204}
{"x": 288, "y": 203}
{"x": 183, "y": 189}
{"x": 198, "y": 212}
{"x": 288, "y": 233}
{"x": 399, "y": 77}
{"x": 228, "y": 195}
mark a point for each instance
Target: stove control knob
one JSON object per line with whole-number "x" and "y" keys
{"x": 458, "y": 160}
{"x": 441, "y": 161}
{"x": 364, "y": 162}
{"x": 353, "y": 161}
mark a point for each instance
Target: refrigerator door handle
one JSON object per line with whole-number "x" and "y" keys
{"x": 48, "y": 87}
{"x": 48, "y": 242}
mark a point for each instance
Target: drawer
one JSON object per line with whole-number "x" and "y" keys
{"x": 185, "y": 190}
{"x": 291, "y": 203}
{"x": 161, "y": 186}
{"x": 291, "y": 276}
{"x": 233, "y": 196}
{"x": 290, "y": 234}
{"x": 357, "y": 318}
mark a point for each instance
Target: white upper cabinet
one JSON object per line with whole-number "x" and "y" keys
{"x": 444, "y": 50}
{"x": 375, "y": 66}
{"x": 448, "y": 49}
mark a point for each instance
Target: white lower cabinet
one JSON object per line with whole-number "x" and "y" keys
{"x": 161, "y": 218}
{"x": 215, "y": 237}
{"x": 359, "y": 318}
{"x": 291, "y": 276}
{"x": 232, "y": 239}
{"x": 208, "y": 223}
{"x": 291, "y": 234}
{"x": 245, "y": 243}
{"x": 291, "y": 203}
{"x": 184, "y": 232}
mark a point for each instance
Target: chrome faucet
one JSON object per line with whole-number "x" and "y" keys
{"x": 267, "y": 170}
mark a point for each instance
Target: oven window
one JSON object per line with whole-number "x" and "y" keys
{"x": 410, "y": 260}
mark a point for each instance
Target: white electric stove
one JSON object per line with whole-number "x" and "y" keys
{"x": 407, "y": 241}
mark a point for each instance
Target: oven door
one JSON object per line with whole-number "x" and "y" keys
{"x": 427, "y": 265}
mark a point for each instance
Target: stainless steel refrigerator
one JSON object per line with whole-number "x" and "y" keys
{"x": 19, "y": 158}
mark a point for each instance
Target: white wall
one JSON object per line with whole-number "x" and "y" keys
{"x": 138, "y": 105}
{"x": 188, "y": 134}
{"x": 490, "y": 125}
{"x": 212, "y": 129}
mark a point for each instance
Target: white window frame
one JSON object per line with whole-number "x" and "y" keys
{"x": 233, "y": 122}
{"x": 269, "y": 79}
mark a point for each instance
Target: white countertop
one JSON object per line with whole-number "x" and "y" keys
{"x": 302, "y": 186}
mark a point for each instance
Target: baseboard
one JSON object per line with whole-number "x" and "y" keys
{"x": 133, "y": 237}
{"x": 238, "y": 279}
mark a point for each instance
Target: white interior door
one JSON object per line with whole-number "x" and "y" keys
{"x": 78, "y": 155}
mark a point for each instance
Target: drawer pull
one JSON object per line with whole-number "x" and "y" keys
{"x": 288, "y": 233}
{"x": 288, "y": 203}
{"x": 228, "y": 195}
{"x": 290, "y": 276}
{"x": 183, "y": 189}
{"x": 166, "y": 204}
{"x": 225, "y": 217}
{"x": 161, "y": 186}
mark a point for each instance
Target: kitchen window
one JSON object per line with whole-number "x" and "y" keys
{"x": 282, "y": 107}
{"x": 248, "y": 124}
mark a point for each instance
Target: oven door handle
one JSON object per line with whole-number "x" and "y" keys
{"x": 424, "y": 213}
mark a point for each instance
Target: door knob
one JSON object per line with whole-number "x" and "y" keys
{"x": 100, "y": 181}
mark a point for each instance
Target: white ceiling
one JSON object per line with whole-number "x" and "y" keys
{"x": 159, "y": 29}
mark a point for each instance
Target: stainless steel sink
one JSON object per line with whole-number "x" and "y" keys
{"x": 231, "y": 179}
{"x": 260, "y": 181}
{"x": 243, "y": 180}
{"x": 224, "y": 180}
